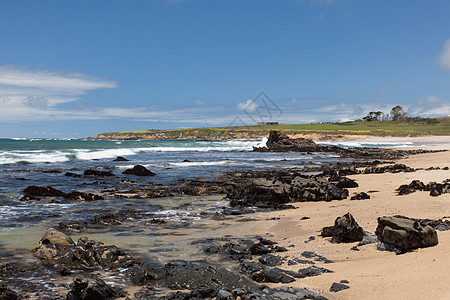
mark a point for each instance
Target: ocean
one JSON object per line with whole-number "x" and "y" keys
{"x": 44, "y": 162}
{"x": 167, "y": 228}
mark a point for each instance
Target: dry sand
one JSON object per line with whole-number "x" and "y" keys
{"x": 373, "y": 274}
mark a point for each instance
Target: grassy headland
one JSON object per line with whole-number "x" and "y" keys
{"x": 412, "y": 127}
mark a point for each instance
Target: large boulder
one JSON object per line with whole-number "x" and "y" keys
{"x": 280, "y": 142}
{"x": 404, "y": 233}
{"x": 139, "y": 170}
{"x": 345, "y": 230}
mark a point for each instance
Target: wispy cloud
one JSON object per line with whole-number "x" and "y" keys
{"x": 28, "y": 87}
{"x": 444, "y": 56}
{"x": 248, "y": 106}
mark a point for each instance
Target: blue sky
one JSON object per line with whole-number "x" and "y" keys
{"x": 78, "y": 68}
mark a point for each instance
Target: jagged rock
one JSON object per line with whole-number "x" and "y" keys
{"x": 263, "y": 192}
{"x": 316, "y": 257}
{"x": 139, "y": 170}
{"x": 275, "y": 275}
{"x": 345, "y": 230}
{"x": 336, "y": 287}
{"x": 360, "y": 196}
{"x": 280, "y": 142}
{"x": 270, "y": 260}
{"x": 90, "y": 288}
{"x": 396, "y": 168}
{"x": 100, "y": 173}
{"x": 121, "y": 158}
{"x": 404, "y": 233}
{"x": 225, "y": 295}
{"x": 191, "y": 275}
{"x": 312, "y": 271}
{"x": 346, "y": 183}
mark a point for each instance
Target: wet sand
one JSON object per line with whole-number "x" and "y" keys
{"x": 374, "y": 274}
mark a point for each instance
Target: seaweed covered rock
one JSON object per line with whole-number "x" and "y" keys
{"x": 344, "y": 230}
{"x": 404, "y": 233}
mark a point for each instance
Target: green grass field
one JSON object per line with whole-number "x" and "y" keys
{"x": 422, "y": 127}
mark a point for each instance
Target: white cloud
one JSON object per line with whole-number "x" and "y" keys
{"x": 26, "y": 87}
{"x": 248, "y": 106}
{"x": 444, "y": 56}
{"x": 199, "y": 102}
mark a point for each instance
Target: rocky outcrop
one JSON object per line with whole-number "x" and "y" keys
{"x": 404, "y": 233}
{"x": 139, "y": 170}
{"x": 344, "y": 230}
{"x": 435, "y": 189}
{"x": 280, "y": 142}
{"x": 264, "y": 192}
{"x": 34, "y": 192}
{"x": 396, "y": 168}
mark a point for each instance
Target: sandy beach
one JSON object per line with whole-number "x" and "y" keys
{"x": 374, "y": 274}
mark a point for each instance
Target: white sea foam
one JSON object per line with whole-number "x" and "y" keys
{"x": 350, "y": 144}
{"x": 204, "y": 163}
{"x": 85, "y": 154}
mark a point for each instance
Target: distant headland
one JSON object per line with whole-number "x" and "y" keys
{"x": 324, "y": 131}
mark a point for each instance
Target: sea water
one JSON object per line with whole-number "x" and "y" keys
{"x": 43, "y": 162}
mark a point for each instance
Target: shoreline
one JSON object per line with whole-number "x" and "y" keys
{"x": 374, "y": 274}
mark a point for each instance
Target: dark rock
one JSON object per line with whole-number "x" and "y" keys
{"x": 270, "y": 260}
{"x": 90, "y": 288}
{"x": 405, "y": 234}
{"x": 99, "y": 173}
{"x": 141, "y": 273}
{"x": 275, "y": 275}
{"x": 82, "y": 196}
{"x": 396, "y": 168}
{"x": 70, "y": 174}
{"x": 345, "y": 230}
{"x": 139, "y": 170}
{"x": 360, "y": 196}
{"x": 225, "y": 295}
{"x": 280, "y": 142}
{"x": 312, "y": 271}
{"x": 316, "y": 257}
{"x": 259, "y": 249}
{"x": 190, "y": 275}
{"x": 121, "y": 158}
{"x": 6, "y": 293}
{"x": 336, "y": 287}
{"x": 41, "y": 191}
{"x": 249, "y": 267}
{"x": 346, "y": 183}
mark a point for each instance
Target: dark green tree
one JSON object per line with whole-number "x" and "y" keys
{"x": 398, "y": 114}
